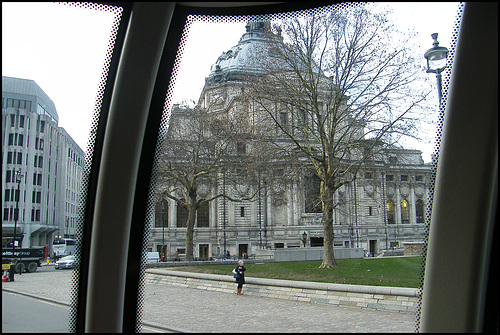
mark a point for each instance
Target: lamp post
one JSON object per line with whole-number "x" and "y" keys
{"x": 163, "y": 231}
{"x": 304, "y": 238}
{"x": 16, "y": 213}
{"x": 224, "y": 209}
{"x": 436, "y": 62}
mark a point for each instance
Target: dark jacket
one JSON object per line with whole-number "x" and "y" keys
{"x": 241, "y": 270}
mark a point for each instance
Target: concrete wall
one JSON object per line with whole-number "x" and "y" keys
{"x": 314, "y": 254}
{"x": 373, "y": 297}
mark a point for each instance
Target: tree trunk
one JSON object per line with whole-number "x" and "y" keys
{"x": 190, "y": 230}
{"x": 328, "y": 251}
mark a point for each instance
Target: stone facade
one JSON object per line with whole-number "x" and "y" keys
{"x": 385, "y": 207}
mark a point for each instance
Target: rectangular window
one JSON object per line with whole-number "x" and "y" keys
{"x": 418, "y": 178}
{"x": 389, "y": 177}
{"x": 203, "y": 216}
{"x": 368, "y": 175}
{"x": 19, "y": 158}
{"x": 303, "y": 118}
{"x": 283, "y": 120}
{"x": 242, "y": 211}
{"x": 37, "y": 179}
{"x": 36, "y": 197}
{"x": 241, "y": 148}
{"x": 182, "y": 216}
{"x": 404, "y": 177}
{"x": 34, "y": 214}
{"x": 21, "y": 121}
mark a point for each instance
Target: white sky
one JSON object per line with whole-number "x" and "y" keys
{"x": 63, "y": 48}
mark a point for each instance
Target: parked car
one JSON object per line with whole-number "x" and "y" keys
{"x": 68, "y": 262}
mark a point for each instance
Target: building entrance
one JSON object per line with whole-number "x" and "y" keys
{"x": 373, "y": 247}
{"x": 203, "y": 252}
{"x": 242, "y": 249}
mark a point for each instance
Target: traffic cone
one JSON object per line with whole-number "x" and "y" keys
{"x": 4, "y": 277}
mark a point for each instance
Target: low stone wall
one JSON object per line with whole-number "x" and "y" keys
{"x": 314, "y": 254}
{"x": 373, "y": 297}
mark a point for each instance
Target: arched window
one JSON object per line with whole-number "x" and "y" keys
{"x": 419, "y": 211}
{"x": 391, "y": 214}
{"x": 405, "y": 211}
{"x": 161, "y": 214}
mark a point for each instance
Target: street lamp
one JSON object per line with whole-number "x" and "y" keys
{"x": 224, "y": 209}
{"x": 16, "y": 213}
{"x": 163, "y": 231}
{"x": 436, "y": 62}
{"x": 304, "y": 238}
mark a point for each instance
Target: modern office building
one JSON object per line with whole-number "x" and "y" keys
{"x": 42, "y": 168}
{"x": 384, "y": 208}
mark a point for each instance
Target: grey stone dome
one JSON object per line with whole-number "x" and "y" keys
{"x": 247, "y": 57}
{"x": 251, "y": 56}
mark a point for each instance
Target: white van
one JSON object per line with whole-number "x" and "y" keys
{"x": 153, "y": 257}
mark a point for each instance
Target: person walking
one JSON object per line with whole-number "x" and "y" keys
{"x": 240, "y": 277}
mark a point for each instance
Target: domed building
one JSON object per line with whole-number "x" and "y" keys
{"x": 385, "y": 208}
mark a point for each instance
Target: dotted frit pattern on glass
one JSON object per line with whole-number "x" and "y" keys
{"x": 435, "y": 158}
{"x": 153, "y": 196}
{"x": 117, "y": 14}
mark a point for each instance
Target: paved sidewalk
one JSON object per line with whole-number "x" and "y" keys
{"x": 195, "y": 310}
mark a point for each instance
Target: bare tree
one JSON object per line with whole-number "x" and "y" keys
{"x": 339, "y": 90}
{"x": 199, "y": 148}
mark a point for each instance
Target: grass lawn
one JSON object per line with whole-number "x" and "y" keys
{"x": 397, "y": 271}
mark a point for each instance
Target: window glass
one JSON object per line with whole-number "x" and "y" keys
{"x": 405, "y": 211}
{"x": 419, "y": 211}
{"x": 281, "y": 202}
{"x": 55, "y": 58}
{"x": 213, "y": 86}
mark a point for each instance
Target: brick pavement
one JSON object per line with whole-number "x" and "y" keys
{"x": 195, "y": 310}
